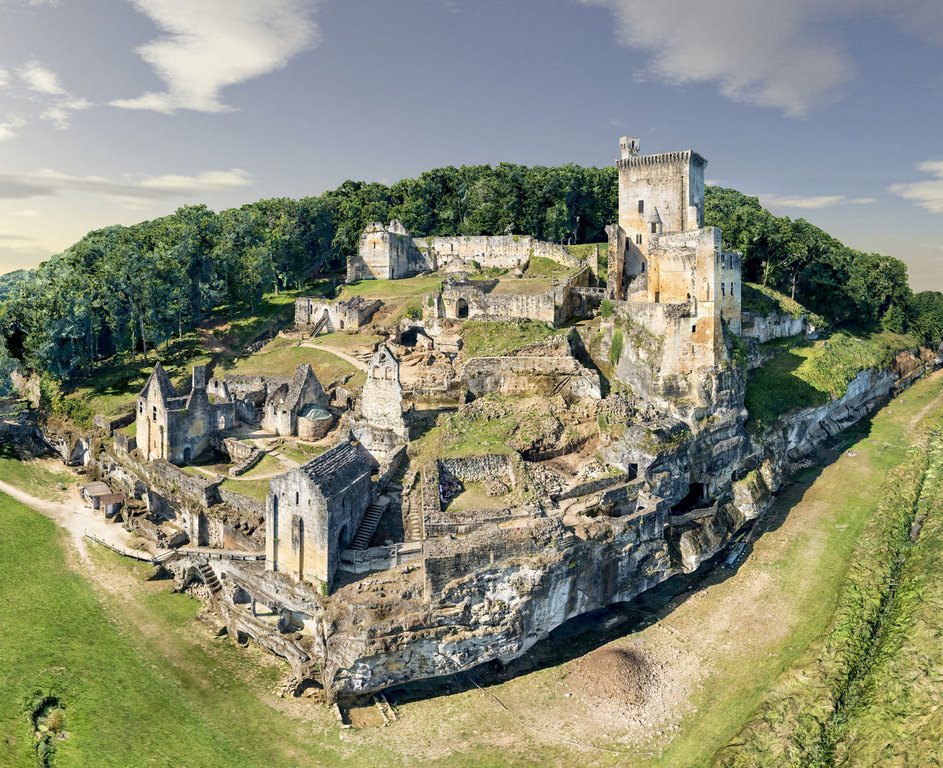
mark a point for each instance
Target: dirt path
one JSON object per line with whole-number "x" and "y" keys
{"x": 78, "y": 519}
{"x": 360, "y": 365}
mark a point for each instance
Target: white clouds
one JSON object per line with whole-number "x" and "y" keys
{"x": 10, "y": 126}
{"x": 39, "y": 78}
{"x": 927, "y": 194}
{"x": 813, "y": 202}
{"x": 45, "y": 183}
{"x": 213, "y": 44}
{"x": 765, "y": 52}
{"x": 35, "y": 83}
{"x": 60, "y": 114}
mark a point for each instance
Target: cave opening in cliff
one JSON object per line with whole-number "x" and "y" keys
{"x": 696, "y": 498}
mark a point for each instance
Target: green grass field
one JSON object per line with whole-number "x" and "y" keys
{"x": 281, "y": 356}
{"x": 804, "y": 374}
{"x": 483, "y": 338}
{"x": 31, "y": 476}
{"x": 111, "y": 388}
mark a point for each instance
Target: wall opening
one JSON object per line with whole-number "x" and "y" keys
{"x": 696, "y": 498}
{"x": 301, "y": 550}
{"x": 202, "y": 530}
{"x": 275, "y": 532}
{"x": 461, "y": 308}
{"x": 633, "y": 471}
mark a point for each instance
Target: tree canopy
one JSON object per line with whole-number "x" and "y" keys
{"x": 129, "y": 289}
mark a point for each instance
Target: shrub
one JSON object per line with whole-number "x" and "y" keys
{"x": 615, "y": 350}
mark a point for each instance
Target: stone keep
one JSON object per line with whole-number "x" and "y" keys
{"x": 670, "y": 270}
{"x": 179, "y": 428}
{"x": 313, "y": 512}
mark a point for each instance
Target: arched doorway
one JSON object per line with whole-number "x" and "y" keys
{"x": 461, "y": 308}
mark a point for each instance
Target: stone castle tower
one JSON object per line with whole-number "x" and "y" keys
{"x": 665, "y": 264}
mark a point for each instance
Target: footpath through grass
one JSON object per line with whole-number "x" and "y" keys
{"x": 752, "y": 627}
{"x": 32, "y": 476}
{"x": 865, "y": 692}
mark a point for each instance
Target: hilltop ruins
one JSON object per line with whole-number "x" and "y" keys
{"x": 458, "y": 515}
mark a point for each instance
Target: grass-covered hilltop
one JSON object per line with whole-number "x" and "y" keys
{"x": 498, "y": 466}
{"x": 128, "y": 290}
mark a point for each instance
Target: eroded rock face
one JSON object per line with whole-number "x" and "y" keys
{"x": 471, "y": 612}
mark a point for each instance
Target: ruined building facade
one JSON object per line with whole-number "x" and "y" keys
{"x": 381, "y": 427}
{"x": 179, "y": 428}
{"x": 313, "y": 512}
{"x": 314, "y": 316}
{"x": 390, "y": 252}
{"x": 666, "y": 269}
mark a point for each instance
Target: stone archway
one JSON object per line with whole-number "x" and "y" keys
{"x": 461, "y": 308}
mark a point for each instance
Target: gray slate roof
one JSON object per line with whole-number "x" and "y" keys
{"x": 336, "y": 469}
{"x": 161, "y": 380}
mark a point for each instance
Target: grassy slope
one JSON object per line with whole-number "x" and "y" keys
{"x": 803, "y": 716}
{"x": 32, "y": 476}
{"x": 763, "y": 300}
{"x": 483, "y": 338}
{"x": 112, "y": 387}
{"x": 801, "y": 578}
{"x": 122, "y": 707}
{"x": 144, "y": 685}
{"x": 809, "y": 373}
{"x": 281, "y": 356}
{"x": 895, "y": 711}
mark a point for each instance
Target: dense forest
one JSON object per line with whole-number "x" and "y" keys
{"x": 130, "y": 289}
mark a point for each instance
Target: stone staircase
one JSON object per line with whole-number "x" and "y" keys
{"x": 209, "y": 578}
{"x": 319, "y": 326}
{"x": 368, "y": 526}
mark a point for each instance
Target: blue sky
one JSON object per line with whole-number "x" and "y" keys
{"x": 114, "y": 111}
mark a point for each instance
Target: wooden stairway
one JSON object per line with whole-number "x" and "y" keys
{"x": 368, "y": 526}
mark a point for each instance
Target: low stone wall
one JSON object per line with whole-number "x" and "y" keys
{"x": 243, "y": 504}
{"x": 109, "y": 424}
{"x": 247, "y": 463}
{"x": 237, "y": 450}
{"x": 174, "y": 482}
{"x": 765, "y": 328}
{"x": 124, "y": 444}
{"x": 477, "y": 469}
{"x": 593, "y": 486}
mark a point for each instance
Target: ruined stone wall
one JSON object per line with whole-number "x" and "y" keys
{"x": 765, "y": 328}
{"x": 541, "y": 375}
{"x": 497, "y": 251}
{"x": 341, "y": 315}
{"x": 175, "y": 483}
{"x": 243, "y": 504}
{"x": 468, "y": 300}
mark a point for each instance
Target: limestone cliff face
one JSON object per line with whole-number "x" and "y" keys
{"x": 497, "y": 612}
{"x": 574, "y": 564}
